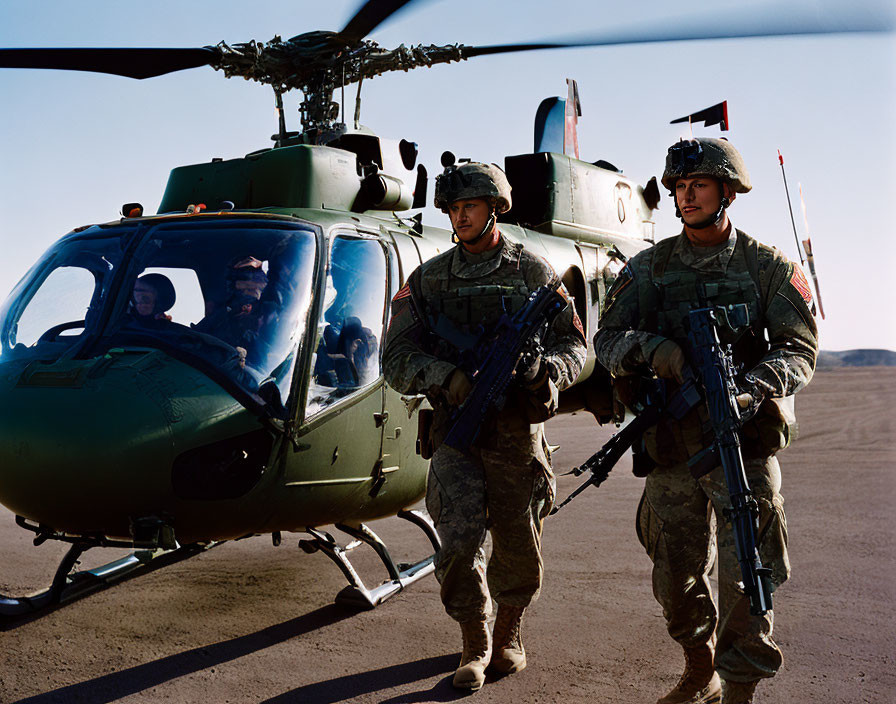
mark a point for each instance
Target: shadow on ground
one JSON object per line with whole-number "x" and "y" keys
{"x": 346, "y": 688}
{"x": 133, "y": 680}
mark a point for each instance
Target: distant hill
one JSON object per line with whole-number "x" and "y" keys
{"x": 856, "y": 358}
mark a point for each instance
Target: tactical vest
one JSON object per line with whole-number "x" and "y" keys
{"x": 670, "y": 295}
{"x": 459, "y": 310}
{"x": 665, "y": 303}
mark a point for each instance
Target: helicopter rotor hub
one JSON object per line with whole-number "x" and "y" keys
{"x": 317, "y": 63}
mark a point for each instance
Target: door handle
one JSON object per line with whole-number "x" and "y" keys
{"x": 380, "y": 418}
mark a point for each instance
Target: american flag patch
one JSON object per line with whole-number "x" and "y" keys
{"x": 798, "y": 281}
{"x": 404, "y": 292}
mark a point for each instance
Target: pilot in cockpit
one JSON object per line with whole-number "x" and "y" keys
{"x": 239, "y": 321}
{"x": 152, "y": 298}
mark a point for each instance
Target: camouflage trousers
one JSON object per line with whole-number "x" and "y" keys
{"x": 680, "y": 521}
{"x": 503, "y": 491}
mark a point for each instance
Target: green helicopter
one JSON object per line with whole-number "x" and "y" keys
{"x": 171, "y": 382}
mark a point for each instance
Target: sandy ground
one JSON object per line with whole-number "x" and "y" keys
{"x": 251, "y": 623}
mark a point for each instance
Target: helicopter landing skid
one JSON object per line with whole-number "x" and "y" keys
{"x": 67, "y": 586}
{"x": 356, "y": 595}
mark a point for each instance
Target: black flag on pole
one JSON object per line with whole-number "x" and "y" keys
{"x": 715, "y": 115}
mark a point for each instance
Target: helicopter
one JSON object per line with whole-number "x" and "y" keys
{"x": 176, "y": 440}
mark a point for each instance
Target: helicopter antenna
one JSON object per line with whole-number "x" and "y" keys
{"x": 790, "y": 208}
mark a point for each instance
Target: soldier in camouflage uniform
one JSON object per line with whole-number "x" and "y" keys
{"x": 503, "y": 484}
{"x": 642, "y": 332}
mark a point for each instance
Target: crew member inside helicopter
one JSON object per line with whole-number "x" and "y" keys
{"x": 347, "y": 354}
{"x": 239, "y": 321}
{"x": 151, "y": 300}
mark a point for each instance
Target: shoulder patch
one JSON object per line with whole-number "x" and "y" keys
{"x": 798, "y": 281}
{"x": 623, "y": 281}
{"x": 404, "y": 292}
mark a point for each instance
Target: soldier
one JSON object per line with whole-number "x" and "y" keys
{"x": 504, "y": 482}
{"x": 151, "y": 300}
{"x": 239, "y": 320}
{"x": 641, "y": 333}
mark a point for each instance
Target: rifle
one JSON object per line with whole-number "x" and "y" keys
{"x": 500, "y": 353}
{"x": 715, "y": 372}
{"x": 602, "y": 462}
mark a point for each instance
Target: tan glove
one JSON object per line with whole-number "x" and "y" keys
{"x": 750, "y": 397}
{"x": 668, "y": 361}
{"x": 458, "y": 388}
{"x": 744, "y": 400}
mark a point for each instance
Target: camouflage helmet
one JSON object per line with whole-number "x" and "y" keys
{"x": 473, "y": 180}
{"x": 705, "y": 156}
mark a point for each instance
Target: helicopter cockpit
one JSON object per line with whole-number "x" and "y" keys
{"x": 229, "y": 297}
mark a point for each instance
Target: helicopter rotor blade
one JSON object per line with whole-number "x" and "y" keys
{"x": 129, "y": 62}
{"x": 774, "y": 21}
{"x": 372, "y": 14}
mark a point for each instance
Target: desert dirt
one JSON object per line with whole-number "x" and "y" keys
{"x": 248, "y": 622}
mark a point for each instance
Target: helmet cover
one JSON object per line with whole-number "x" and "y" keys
{"x": 705, "y": 156}
{"x": 473, "y": 180}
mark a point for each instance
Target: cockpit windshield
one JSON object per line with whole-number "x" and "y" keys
{"x": 232, "y": 296}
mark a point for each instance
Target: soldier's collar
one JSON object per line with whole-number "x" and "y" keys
{"x": 715, "y": 257}
{"x": 471, "y": 266}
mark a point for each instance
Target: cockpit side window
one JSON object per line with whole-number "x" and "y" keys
{"x": 64, "y": 298}
{"x": 350, "y": 330}
{"x": 167, "y": 293}
{"x": 60, "y": 298}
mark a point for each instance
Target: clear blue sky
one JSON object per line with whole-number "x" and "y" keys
{"x": 75, "y": 146}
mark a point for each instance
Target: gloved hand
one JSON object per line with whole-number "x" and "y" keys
{"x": 458, "y": 388}
{"x": 668, "y": 361}
{"x": 529, "y": 367}
{"x": 750, "y": 396}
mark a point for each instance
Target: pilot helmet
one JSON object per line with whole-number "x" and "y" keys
{"x": 165, "y": 295}
{"x": 705, "y": 156}
{"x": 473, "y": 179}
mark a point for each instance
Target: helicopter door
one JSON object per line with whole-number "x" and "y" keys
{"x": 399, "y": 424}
{"x": 344, "y": 406}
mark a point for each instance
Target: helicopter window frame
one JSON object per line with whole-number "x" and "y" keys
{"x": 56, "y": 258}
{"x": 337, "y": 402}
{"x": 134, "y": 249}
{"x": 282, "y": 404}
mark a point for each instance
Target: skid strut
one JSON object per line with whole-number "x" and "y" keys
{"x": 68, "y": 585}
{"x": 356, "y": 595}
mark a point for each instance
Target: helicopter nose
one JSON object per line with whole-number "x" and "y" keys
{"x": 86, "y": 446}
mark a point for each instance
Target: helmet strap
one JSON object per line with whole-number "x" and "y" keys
{"x": 485, "y": 230}
{"x": 710, "y": 221}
